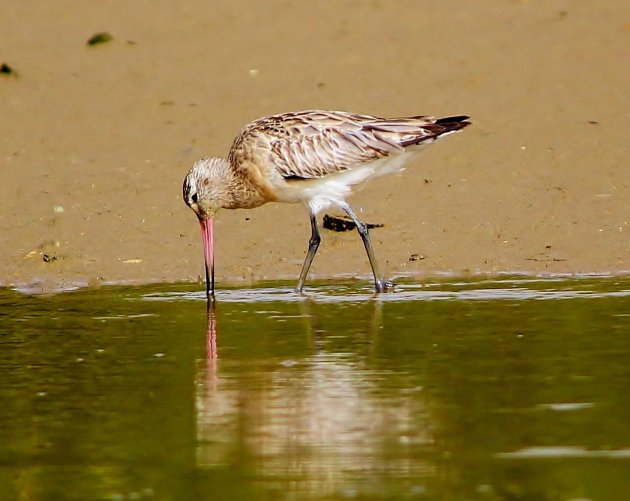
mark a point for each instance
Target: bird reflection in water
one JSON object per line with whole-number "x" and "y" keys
{"x": 322, "y": 417}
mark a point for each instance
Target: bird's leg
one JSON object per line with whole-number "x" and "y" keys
{"x": 379, "y": 284}
{"x": 313, "y": 244}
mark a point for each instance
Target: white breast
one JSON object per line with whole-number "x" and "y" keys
{"x": 331, "y": 190}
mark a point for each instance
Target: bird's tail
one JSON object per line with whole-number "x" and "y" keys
{"x": 433, "y": 129}
{"x": 450, "y": 124}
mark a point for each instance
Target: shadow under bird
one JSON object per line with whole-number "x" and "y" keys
{"x": 311, "y": 157}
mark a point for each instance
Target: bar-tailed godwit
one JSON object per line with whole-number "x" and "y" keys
{"x": 311, "y": 157}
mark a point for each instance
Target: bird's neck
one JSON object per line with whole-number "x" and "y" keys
{"x": 241, "y": 192}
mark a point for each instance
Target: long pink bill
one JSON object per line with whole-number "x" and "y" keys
{"x": 207, "y": 233}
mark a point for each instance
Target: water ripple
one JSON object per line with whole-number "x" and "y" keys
{"x": 486, "y": 290}
{"x": 564, "y": 452}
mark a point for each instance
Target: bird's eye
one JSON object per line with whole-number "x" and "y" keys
{"x": 194, "y": 198}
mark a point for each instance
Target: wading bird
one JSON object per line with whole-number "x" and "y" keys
{"x": 311, "y": 157}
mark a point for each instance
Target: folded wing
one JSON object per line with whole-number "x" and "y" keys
{"x": 312, "y": 144}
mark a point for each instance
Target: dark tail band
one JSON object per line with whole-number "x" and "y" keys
{"x": 438, "y": 128}
{"x": 449, "y": 124}
{"x": 451, "y": 120}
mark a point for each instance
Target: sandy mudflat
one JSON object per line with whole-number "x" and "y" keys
{"x": 95, "y": 141}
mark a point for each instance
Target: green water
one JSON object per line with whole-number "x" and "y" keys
{"x": 505, "y": 389}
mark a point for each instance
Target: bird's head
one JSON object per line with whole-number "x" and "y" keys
{"x": 204, "y": 187}
{"x": 205, "y": 193}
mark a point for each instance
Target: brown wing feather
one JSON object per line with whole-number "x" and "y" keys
{"x": 316, "y": 143}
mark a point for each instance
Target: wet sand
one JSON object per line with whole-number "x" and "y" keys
{"x": 95, "y": 141}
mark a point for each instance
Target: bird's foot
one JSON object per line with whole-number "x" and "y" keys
{"x": 384, "y": 286}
